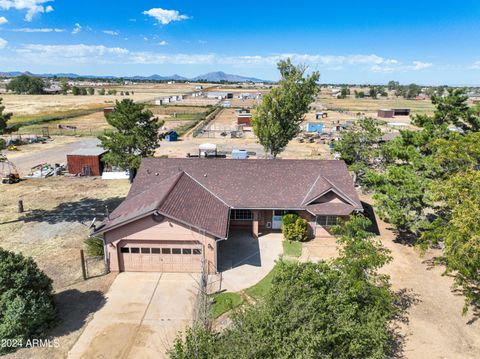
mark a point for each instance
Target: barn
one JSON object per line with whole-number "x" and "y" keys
{"x": 385, "y": 113}
{"x": 86, "y": 161}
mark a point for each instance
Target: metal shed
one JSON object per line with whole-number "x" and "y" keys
{"x": 86, "y": 161}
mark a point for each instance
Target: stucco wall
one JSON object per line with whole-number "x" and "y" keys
{"x": 168, "y": 230}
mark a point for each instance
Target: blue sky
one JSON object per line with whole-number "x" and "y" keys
{"x": 427, "y": 42}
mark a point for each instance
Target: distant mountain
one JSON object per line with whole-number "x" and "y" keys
{"x": 222, "y": 76}
{"x": 218, "y": 76}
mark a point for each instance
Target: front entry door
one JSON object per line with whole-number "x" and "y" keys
{"x": 277, "y": 219}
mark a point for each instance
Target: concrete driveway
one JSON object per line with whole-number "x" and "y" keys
{"x": 244, "y": 260}
{"x": 141, "y": 317}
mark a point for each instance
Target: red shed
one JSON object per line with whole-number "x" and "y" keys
{"x": 244, "y": 119}
{"x": 86, "y": 162}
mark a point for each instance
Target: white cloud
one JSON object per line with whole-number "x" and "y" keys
{"x": 165, "y": 17}
{"x": 111, "y": 32}
{"x": 3, "y": 43}
{"x": 100, "y": 54}
{"x": 28, "y": 29}
{"x": 77, "y": 28}
{"x": 31, "y": 6}
{"x": 419, "y": 65}
{"x": 3, "y": 20}
{"x": 474, "y": 66}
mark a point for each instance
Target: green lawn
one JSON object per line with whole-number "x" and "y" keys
{"x": 223, "y": 302}
{"x": 292, "y": 249}
{"x": 260, "y": 290}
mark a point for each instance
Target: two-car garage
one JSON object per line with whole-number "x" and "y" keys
{"x": 160, "y": 256}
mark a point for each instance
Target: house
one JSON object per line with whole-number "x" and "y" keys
{"x": 86, "y": 161}
{"x": 179, "y": 209}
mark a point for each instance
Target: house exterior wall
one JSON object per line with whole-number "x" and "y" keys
{"x": 77, "y": 163}
{"x": 147, "y": 229}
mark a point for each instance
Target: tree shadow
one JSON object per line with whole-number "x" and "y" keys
{"x": 369, "y": 212}
{"x": 74, "y": 307}
{"x": 404, "y": 300}
{"x": 80, "y": 211}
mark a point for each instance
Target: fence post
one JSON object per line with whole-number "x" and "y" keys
{"x": 82, "y": 260}
{"x": 20, "y": 206}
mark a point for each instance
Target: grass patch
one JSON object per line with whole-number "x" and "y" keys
{"x": 29, "y": 120}
{"x": 260, "y": 290}
{"x": 224, "y": 302}
{"x": 292, "y": 249}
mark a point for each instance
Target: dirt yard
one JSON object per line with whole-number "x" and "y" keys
{"x": 58, "y": 211}
{"x": 435, "y": 328}
{"x": 294, "y": 149}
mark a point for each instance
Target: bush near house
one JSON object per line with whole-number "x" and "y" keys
{"x": 294, "y": 228}
{"x": 94, "y": 246}
{"x": 27, "y": 308}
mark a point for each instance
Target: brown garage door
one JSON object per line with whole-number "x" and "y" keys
{"x": 160, "y": 256}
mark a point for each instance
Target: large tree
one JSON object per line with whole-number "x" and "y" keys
{"x": 277, "y": 119}
{"x": 342, "y": 309}
{"x": 27, "y": 308}
{"x": 359, "y": 148}
{"x": 136, "y": 135}
{"x": 25, "y": 84}
{"x": 4, "y": 117}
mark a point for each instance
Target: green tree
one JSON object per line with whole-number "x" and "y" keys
{"x": 359, "y": 94}
{"x": 76, "y": 91}
{"x": 359, "y": 147}
{"x": 25, "y": 84}
{"x": 101, "y": 92}
{"x": 136, "y": 135}
{"x": 373, "y": 92}
{"x": 294, "y": 228}
{"x": 277, "y": 119}
{"x": 4, "y": 117}
{"x": 451, "y": 109}
{"x": 64, "y": 85}
{"x": 393, "y": 85}
{"x": 27, "y": 308}
{"x": 83, "y": 91}
{"x": 342, "y": 309}
{"x": 91, "y": 91}
{"x": 344, "y": 92}
{"x": 457, "y": 228}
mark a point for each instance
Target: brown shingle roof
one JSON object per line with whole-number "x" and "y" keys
{"x": 278, "y": 184}
{"x": 330, "y": 209}
{"x": 200, "y": 192}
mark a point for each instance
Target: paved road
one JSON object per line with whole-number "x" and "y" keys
{"x": 141, "y": 317}
{"x": 52, "y": 155}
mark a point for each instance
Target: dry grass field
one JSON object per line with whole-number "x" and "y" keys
{"x": 58, "y": 211}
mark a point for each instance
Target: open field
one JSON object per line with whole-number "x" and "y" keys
{"x": 370, "y": 106}
{"x": 95, "y": 124}
{"x": 58, "y": 211}
{"x": 26, "y": 105}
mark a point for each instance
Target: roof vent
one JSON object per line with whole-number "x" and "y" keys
{"x": 205, "y": 175}
{"x": 157, "y": 174}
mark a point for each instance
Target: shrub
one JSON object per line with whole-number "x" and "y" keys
{"x": 94, "y": 246}
{"x": 294, "y": 228}
{"x": 27, "y": 308}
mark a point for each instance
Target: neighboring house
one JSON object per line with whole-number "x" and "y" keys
{"x": 179, "y": 209}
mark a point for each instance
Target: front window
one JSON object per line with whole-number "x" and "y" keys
{"x": 327, "y": 221}
{"x": 241, "y": 215}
